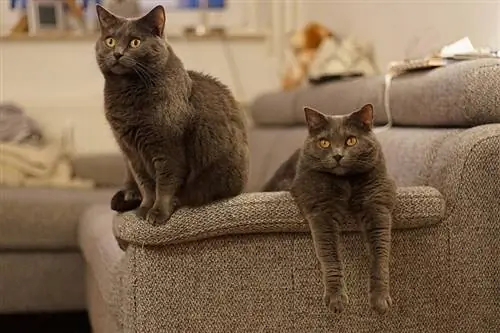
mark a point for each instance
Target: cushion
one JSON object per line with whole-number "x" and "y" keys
{"x": 462, "y": 94}
{"x": 107, "y": 170}
{"x": 44, "y": 219}
{"x": 416, "y": 207}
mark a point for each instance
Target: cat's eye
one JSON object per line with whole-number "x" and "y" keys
{"x": 351, "y": 141}
{"x": 135, "y": 43}
{"x": 324, "y": 143}
{"x": 110, "y": 42}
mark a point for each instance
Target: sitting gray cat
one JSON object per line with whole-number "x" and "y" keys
{"x": 340, "y": 172}
{"x": 182, "y": 133}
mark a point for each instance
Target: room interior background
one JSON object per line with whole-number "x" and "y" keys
{"x": 57, "y": 81}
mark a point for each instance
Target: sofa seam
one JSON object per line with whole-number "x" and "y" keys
{"x": 214, "y": 232}
{"x": 462, "y": 167}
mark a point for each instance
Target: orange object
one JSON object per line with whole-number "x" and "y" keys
{"x": 21, "y": 26}
{"x": 304, "y": 44}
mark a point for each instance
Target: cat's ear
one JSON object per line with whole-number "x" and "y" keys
{"x": 106, "y": 18}
{"x": 315, "y": 119}
{"x": 364, "y": 116}
{"x": 154, "y": 21}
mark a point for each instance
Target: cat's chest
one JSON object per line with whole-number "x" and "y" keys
{"x": 132, "y": 126}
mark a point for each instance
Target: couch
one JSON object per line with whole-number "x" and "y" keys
{"x": 247, "y": 264}
{"x": 41, "y": 268}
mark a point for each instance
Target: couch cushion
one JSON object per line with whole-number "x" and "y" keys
{"x": 463, "y": 94}
{"x": 44, "y": 219}
{"x": 106, "y": 170}
{"x": 270, "y": 212}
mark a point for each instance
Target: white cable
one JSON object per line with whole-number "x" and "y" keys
{"x": 387, "y": 100}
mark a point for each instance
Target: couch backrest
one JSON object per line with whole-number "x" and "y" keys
{"x": 409, "y": 152}
{"x": 463, "y": 94}
{"x": 106, "y": 170}
{"x": 427, "y": 107}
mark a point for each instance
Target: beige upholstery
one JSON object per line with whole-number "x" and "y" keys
{"x": 249, "y": 213}
{"x": 41, "y": 268}
{"x": 247, "y": 264}
{"x": 460, "y": 95}
{"x": 42, "y": 218}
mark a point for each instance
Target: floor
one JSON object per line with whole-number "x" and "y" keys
{"x": 71, "y": 322}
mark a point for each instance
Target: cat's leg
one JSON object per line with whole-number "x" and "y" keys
{"x": 377, "y": 224}
{"x": 145, "y": 183}
{"x": 213, "y": 183}
{"x": 170, "y": 176}
{"x": 128, "y": 198}
{"x": 325, "y": 231}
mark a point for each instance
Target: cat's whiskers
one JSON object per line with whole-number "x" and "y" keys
{"x": 142, "y": 77}
{"x": 144, "y": 68}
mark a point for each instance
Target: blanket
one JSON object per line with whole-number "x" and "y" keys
{"x": 25, "y": 165}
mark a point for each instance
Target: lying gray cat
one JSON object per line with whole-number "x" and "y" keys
{"x": 182, "y": 133}
{"x": 340, "y": 172}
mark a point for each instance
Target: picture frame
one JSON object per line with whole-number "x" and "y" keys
{"x": 45, "y": 16}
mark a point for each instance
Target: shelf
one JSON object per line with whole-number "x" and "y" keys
{"x": 233, "y": 35}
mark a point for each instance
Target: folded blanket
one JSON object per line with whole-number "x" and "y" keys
{"x": 38, "y": 166}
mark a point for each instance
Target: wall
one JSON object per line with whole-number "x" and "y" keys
{"x": 410, "y": 28}
{"x": 7, "y": 17}
{"x": 59, "y": 82}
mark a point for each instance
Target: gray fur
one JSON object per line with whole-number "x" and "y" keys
{"x": 182, "y": 133}
{"x": 328, "y": 191}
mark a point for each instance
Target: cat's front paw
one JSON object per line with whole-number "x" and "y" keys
{"x": 380, "y": 301}
{"x": 125, "y": 200}
{"x": 142, "y": 212}
{"x": 159, "y": 216}
{"x": 336, "y": 300}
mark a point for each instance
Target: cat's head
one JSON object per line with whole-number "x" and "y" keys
{"x": 341, "y": 144}
{"x": 131, "y": 45}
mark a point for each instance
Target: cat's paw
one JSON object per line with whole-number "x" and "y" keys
{"x": 158, "y": 216}
{"x": 142, "y": 212}
{"x": 336, "y": 300}
{"x": 380, "y": 301}
{"x": 125, "y": 200}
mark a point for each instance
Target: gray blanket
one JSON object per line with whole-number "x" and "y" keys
{"x": 16, "y": 126}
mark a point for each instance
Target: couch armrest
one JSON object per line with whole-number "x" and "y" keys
{"x": 466, "y": 168}
{"x": 265, "y": 213}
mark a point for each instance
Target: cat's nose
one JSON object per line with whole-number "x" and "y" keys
{"x": 118, "y": 55}
{"x": 337, "y": 157}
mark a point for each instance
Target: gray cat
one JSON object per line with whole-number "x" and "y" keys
{"x": 182, "y": 133}
{"x": 341, "y": 172}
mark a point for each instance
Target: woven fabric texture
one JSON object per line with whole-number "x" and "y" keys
{"x": 264, "y": 213}
{"x": 463, "y": 94}
{"x": 238, "y": 271}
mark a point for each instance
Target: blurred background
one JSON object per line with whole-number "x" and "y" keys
{"x": 54, "y": 77}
